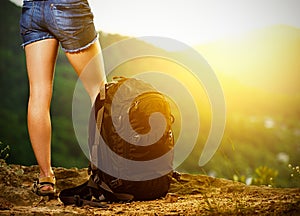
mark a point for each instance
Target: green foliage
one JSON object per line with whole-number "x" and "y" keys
{"x": 264, "y": 176}
{"x": 294, "y": 175}
{"x": 4, "y": 151}
{"x": 241, "y": 178}
{"x": 247, "y": 145}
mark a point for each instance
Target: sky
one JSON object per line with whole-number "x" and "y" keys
{"x": 192, "y": 22}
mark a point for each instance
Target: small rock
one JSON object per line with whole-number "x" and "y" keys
{"x": 171, "y": 197}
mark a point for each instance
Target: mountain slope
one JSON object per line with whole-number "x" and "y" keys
{"x": 190, "y": 195}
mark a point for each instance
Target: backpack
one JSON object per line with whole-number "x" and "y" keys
{"x": 130, "y": 142}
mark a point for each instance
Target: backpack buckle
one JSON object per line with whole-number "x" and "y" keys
{"x": 116, "y": 183}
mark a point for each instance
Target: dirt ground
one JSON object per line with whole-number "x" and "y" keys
{"x": 191, "y": 195}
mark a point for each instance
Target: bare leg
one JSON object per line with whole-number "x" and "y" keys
{"x": 88, "y": 64}
{"x": 40, "y": 60}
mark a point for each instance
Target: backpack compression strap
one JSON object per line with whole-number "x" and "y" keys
{"x": 97, "y": 123}
{"x": 107, "y": 191}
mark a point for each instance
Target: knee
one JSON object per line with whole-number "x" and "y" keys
{"x": 40, "y": 96}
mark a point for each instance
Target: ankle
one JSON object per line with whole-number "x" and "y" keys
{"x": 46, "y": 173}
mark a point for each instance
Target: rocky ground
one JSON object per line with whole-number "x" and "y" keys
{"x": 191, "y": 195}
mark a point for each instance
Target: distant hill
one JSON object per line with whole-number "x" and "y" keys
{"x": 268, "y": 58}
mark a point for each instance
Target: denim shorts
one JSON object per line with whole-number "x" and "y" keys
{"x": 69, "y": 21}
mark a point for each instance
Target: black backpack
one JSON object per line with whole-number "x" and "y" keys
{"x": 131, "y": 144}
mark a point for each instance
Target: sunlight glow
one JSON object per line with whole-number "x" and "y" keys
{"x": 193, "y": 21}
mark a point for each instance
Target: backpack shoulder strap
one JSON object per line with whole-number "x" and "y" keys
{"x": 80, "y": 196}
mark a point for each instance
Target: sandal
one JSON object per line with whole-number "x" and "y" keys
{"x": 43, "y": 182}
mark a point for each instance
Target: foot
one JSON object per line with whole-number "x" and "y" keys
{"x": 45, "y": 186}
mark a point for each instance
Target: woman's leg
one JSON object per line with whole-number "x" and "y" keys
{"x": 40, "y": 60}
{"x": 89, "y": 66}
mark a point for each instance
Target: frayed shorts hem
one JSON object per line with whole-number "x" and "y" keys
{"x": 81, "y": 48}
{"x": 64, "y": 49}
